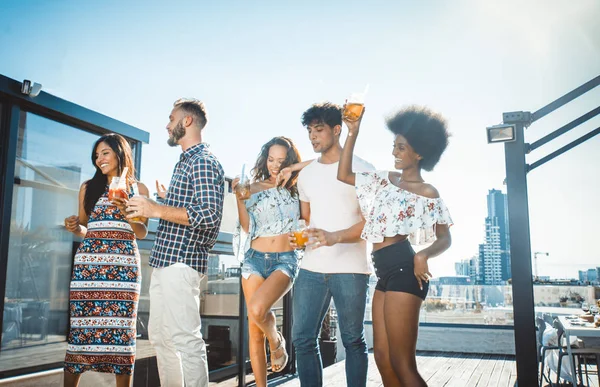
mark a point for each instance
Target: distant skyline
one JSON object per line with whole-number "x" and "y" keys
{"x": 258, "y": 66}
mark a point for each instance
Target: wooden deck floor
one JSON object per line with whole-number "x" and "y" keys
{"x": 439, "y": 370}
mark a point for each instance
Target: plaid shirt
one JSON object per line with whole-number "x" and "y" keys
{"x": 198, "y": 186}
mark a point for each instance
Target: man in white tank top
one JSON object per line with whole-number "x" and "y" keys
{"x": 336, "y": 266}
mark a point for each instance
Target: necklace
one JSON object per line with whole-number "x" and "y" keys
{"x": 400, "y": 180}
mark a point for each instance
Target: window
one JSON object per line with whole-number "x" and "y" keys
{"x": 52, "y": 161}
{"x": 219, "y": 309}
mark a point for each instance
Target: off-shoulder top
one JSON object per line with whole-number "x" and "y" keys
{"x": 390, "y": 210}
{"x": 272, "y": 212}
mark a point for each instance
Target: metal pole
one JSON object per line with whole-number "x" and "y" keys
{"x": 552, "y": 106}
{"x": 564, "y": 149}
{"x": 9, "y": 123}
{"x": 290, "y": 368}
{"x": 520, "y": 251}
{"x": 558, "y": 132}
{"x": 241, "y": 358}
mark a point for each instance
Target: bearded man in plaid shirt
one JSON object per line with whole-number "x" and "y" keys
{"x": 190, "y": 218}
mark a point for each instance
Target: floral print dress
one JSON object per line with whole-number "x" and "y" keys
{"x": 104, "y": 294}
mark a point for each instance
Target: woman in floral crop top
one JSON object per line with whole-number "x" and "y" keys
{"x": 400, "y": 209}
{"x": 270, "y": 263}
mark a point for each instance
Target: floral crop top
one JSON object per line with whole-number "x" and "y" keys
{"x": 390, "y": 210}
{"x": 271, "y": 212}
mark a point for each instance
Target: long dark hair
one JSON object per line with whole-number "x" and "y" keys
{"x": 95, "y": 187}
{"x": 260, "y": 171}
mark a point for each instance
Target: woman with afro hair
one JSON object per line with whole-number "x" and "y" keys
{"x": 401, "y": 210}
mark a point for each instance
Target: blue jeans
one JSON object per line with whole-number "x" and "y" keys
{"x": 312, "y": 295}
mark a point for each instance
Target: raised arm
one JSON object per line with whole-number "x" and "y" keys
{"x": 286, "y": 173}
{"x": 345, "y": 174}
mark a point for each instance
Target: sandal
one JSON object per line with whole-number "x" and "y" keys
{"x": 278, "y": 364}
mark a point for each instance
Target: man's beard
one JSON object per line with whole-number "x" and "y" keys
{"x": 176, "y": 135}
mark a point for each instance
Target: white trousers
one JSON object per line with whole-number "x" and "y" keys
{"x": 174, "y": 326}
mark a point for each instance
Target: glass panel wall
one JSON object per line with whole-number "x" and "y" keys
{"x": 219, "y": 309}
{"x": 456, "y": 301}
{"x": 52, "y": 161}
{"x": 468, "y": 304}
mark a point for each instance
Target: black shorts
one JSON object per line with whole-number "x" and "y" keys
{"x": 395, "y": 270}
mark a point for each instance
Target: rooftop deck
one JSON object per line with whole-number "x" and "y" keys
{"x": 437, "y": 368}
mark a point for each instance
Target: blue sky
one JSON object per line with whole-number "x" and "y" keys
{"x": 259, "y": 65}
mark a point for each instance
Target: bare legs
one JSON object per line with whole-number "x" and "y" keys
{"x": 381, "y": 348}
{"x": 260, "y": 296}
{"x": 395, "y": 329}
{"x": 71, "y": 380}
{"x": 123, "y": 380}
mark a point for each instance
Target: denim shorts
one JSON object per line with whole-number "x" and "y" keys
{"x": 265, "y": 264}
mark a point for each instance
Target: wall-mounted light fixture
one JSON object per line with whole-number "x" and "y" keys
{"x": 501, "y": 133}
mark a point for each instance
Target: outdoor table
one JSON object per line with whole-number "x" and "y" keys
{"x": 572, "y": 328}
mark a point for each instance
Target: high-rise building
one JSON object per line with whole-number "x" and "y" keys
{"x": 462, "y": 267}
{"x": 474, "y": 271}
{"x": 592, "y": 275}
{"x": 494, "y": 253}
{"x": 468, "y": 267}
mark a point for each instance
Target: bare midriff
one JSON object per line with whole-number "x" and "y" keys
{"x": 272, "y": 244}
{"x": 387, "y": 241}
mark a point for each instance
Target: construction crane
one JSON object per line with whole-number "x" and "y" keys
{"x": 535, "y": 262}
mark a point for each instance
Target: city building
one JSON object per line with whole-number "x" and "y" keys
{"x": 494, "y": 253}
{"x": 592, "y": 275}
{"x": 469, "y": 267}
{"x": 462, "y": 267}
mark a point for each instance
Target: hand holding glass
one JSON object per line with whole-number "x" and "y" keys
{"x": 116, "y": 189}
{"x": 301, "y": 239}
{"x": 136, "y": 192}
{"x": 242, "y": 190}
{"x": 355, "y": 105}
